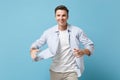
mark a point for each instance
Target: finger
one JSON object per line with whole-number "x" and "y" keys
{"x": 76, "y": 49}
{"x": 35, "y": 51}
{"x": 33, "y": 56}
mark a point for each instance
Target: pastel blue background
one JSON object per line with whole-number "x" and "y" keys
{"x": 23, "y": 21}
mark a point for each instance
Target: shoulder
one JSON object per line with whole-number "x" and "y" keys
{"x": 74, "y": 28}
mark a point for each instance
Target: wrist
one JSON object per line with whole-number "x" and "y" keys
{"x": 86, "y": 51}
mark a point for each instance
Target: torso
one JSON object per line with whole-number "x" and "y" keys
{"x": 64, "y": 60}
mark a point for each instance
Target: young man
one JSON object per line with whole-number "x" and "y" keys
{"x": 63, "y": 42}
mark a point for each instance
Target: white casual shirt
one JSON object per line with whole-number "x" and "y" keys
{"x": 64, "y": 61}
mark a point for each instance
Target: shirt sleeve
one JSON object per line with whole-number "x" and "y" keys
{"x": 87, "y": 43}
{"x": 45, "y": 54}
{"x": 40, "y": 42}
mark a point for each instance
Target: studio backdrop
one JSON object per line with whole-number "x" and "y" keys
{"x": 23, "y": 21}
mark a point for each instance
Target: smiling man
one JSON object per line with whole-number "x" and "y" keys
{"x": 64, "y": 42}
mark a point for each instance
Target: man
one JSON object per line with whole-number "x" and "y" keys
{"x": 63, "y": 42}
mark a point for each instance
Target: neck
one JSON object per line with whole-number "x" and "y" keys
{"x": 62, "y": 28}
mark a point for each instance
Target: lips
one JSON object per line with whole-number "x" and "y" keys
{"x": 61, "y": 21}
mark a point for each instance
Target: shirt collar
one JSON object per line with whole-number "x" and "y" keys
{"x": 68, "y": 28}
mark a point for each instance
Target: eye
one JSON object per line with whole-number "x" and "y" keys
{"x": 64, "y": 15}
{"x": 58, "y": 15}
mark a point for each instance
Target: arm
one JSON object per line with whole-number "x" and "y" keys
{"x": 40, "y": 42}
{"x": 87, "y": 43}
{"x": 36, "y": 45}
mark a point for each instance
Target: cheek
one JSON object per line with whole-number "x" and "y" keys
{"x": 65, "y": 18}
{"x": 56, "y": 19}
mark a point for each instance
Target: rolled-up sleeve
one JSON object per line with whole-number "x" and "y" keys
{"x": 40, "y": 42}
{"x": 88, "y": 44}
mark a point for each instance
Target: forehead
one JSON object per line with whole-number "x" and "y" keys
{"x": 61, "y": 11}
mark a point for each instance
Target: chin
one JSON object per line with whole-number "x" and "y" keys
{"x": 62, "y": 24}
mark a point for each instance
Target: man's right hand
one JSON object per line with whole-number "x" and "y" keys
{"x": 33, "y": 53}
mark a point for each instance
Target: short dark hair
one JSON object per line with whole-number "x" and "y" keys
{"x": 61, "y": 7}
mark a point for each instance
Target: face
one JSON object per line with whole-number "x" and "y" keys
{"x": 61, "y": 17}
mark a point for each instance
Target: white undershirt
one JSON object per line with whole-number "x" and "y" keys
{"x": 64, "y": 60}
